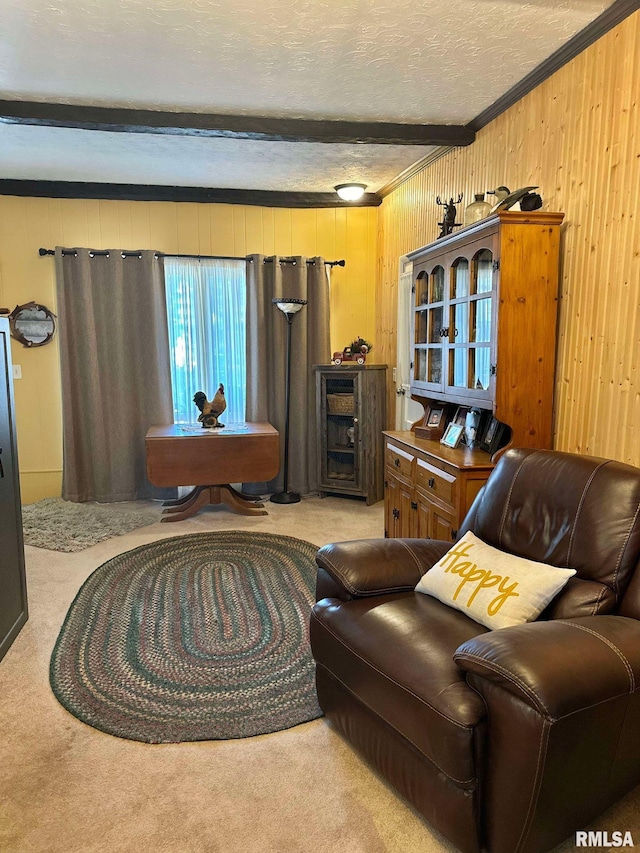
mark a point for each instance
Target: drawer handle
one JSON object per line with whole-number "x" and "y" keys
{"x": 414, "y": 505}
{"x": 396, "y": 462}
{"x": 396, "y": 513}
{"x": 432, "y": 483}
{"x": 454, "y": 533}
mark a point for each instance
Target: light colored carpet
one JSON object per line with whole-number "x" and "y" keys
{"x": 67, "y": 788}
{"x": 59, "y": 525}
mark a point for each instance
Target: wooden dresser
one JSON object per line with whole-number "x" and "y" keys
{"x": 428, "y": 487}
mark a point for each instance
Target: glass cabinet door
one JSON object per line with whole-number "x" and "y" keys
{"x": 340, "y": 436}
{"x": 454, "y": 317}
{"x": 429, "y": 323}
{"x": 467, "y": 347}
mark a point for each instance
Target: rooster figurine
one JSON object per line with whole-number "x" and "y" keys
{"x": 211, "y": 411}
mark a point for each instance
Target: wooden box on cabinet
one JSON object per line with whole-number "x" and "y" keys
{"x": 484, "y": 318}
{"x": 429, "y": 488}
{"x": 13, "y": 588}
{"x": 350, "y": 402}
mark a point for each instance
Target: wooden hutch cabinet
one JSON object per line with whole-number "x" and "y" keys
{"x": 484, "y": 317}
{"x": 350, "y": 402}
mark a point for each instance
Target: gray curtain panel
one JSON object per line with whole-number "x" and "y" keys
{"x": 116, "y": 380}
{"x": 266, "y": 357}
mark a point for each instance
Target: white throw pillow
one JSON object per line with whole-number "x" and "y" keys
{"x": 492, "y": 587}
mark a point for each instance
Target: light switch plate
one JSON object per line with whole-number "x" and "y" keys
{"x": 16, "y": 371}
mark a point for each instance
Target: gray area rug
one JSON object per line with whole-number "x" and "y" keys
{"x": 199, "y": 637}
{"x": 59, "y": 525}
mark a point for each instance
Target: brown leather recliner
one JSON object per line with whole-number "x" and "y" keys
{"x": 506, "y": 741}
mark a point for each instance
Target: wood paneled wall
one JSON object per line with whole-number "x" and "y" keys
{"x": 26, "y": 224}
{"x": 577, "y": 137}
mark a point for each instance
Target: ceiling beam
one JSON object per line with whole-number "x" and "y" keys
{"x": 205, "y": 195}
{"x": 118, "y": 120}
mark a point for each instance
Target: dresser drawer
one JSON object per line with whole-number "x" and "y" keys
{"x": 434, "y": 481}
{"x": 399, "y": 461}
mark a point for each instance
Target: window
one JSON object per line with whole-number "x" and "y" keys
{"x": 206, "y": 306}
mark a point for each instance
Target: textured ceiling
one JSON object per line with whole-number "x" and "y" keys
{"x": 436, "y": 62}
{"x": 81, "y": 155}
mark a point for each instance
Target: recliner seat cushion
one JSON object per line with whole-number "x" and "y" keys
{"x": 395, "y": 654}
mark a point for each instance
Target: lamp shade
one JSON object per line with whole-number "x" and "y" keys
{"x": 289, "y": 305}
{"x": 350, "y": 191}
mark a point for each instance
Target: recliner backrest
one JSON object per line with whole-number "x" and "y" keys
{"x": 566, "y": 510}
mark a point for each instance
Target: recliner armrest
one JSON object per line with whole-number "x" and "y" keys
{"x": 562, "y": 666}
{"x": 375, "y": 566}
{"x": 562, "y": 725}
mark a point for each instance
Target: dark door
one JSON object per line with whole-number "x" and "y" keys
{"x": 13, "y": 599}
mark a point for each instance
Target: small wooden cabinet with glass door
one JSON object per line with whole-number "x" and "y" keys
{"x": 350, "y": 402}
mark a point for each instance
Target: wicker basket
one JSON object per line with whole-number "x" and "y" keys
{"x": 340, "y": 404}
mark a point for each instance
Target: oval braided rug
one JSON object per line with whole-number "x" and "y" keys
{"x": 197, "y": 637}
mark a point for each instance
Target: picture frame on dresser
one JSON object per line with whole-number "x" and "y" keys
{"x": 460, "y": 415}
{"x": 452, "y": 435}
{"x": 492, "y": 437}
{"x": 435, "y": 416}
{"x": 432, "y": 425}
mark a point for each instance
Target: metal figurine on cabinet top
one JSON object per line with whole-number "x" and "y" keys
{"x": 211, "y": 410}
{"x": 449, "y": 216}
{"x": 528, "y": 200}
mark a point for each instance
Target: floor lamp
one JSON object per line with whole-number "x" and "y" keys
{"x": 289, "y": 308}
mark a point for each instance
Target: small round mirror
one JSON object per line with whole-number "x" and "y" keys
{"x": 32, "y": 324}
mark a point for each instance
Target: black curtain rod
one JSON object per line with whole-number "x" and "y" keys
{"x": 125, "y": 254}
{"x": 292, "y": 261}
{"x": 201, "y": 257}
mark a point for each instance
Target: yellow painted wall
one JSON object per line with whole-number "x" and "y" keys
{"x": 576, "y": 136}
{"x": 26, "y": 224}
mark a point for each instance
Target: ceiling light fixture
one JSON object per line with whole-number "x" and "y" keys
{"x": 350, "y": 191}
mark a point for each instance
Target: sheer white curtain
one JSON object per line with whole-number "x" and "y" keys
{"x": 206, "y": 312}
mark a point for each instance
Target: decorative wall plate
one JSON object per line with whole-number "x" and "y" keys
{"x": 32, "y": 324}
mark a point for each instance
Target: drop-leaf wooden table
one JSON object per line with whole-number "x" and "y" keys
{"x": 210, "y": 460}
